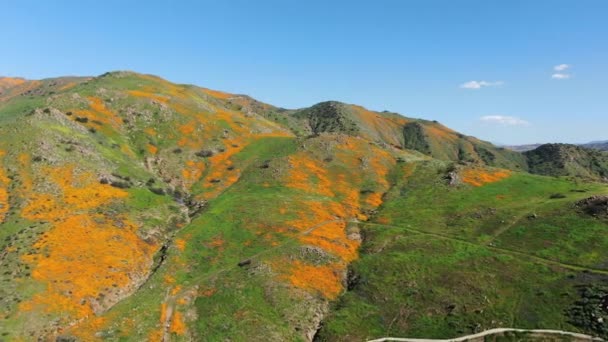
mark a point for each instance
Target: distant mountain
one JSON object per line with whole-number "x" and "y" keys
{"x": 522, "y": 148}
{"x": 598, "y": 145}
{"x": 568, "y": 160}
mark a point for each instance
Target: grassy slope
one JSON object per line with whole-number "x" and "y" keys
{"x": 265, "y": 191}
{"x": 489, "y": 264}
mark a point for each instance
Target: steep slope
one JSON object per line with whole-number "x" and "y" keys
{"x": 568, "y": 160}
{"x": 427, "y": 137}
{"x": 123, "y": 201}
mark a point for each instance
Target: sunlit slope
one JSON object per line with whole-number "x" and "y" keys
{"x": 500, "y": 249}
{"x": 133, "y": 208}
{"x": 391, "y": 129}
{"x": 128, "y": 201}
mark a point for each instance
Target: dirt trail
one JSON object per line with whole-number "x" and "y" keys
{"x": 492, "y": 332}
{"x": 541, "y": 260}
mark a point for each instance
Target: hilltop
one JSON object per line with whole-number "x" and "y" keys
{"x": 133, "y": 208}
{"x": 568, "y": 160}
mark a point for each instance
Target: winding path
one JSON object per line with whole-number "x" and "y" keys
{"x": 491, "y": 332}
{"x": 536, "y": 258}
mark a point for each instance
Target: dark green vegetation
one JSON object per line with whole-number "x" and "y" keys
{"x": 135, "y": 209}
{"x": 564, "y": 160}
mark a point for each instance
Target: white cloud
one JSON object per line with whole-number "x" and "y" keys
{"x": 504, "y": 120}
{"x": 559, "y": 76}
{"x": 480, "y": 84}
{"x": 561, "y": 72}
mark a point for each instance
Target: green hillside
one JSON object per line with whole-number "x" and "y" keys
{"x": 568, "y": 160}
{"x": 136, "y": 209}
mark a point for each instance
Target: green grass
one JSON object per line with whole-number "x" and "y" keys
{"x": 444, "y": 261}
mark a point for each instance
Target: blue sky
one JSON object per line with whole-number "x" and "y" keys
{"x": 412, "y": 57}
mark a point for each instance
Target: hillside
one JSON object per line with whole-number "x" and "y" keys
{"x": 568, "y": 160}
{"x": 136, "y": 209}
{"x": 390, "y": 129}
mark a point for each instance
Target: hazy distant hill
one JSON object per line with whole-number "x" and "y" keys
{"x": 599, "y": 145}
{"x": 568, "y": 160}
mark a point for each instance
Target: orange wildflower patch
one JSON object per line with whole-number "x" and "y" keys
{"x": 324, "y": 279}
{"x": 193, "y": 171}
{"x": 479, "y": 177}
{"x": 441, "y": 132}
{"x": 150, "y": 131}
{"x": 152, "y": 149}
{"x": 156, "y": 335}
{"x": 388, "y": 128}
{"x": 4, "y": 182}
{"x": 163, "y": 313}
{"x": 177, "y": 324}
{"x": 208, "y": 292}
{"x": 84, "y": 253}
{"x": 308, "y": 175}
{"x": 79, "y": 192}
{"x": 187, "y": 129}
{"x": 67, "y": 86}
{"x": 169, "y": 279}
{"x": 127, "y": 150}
{"x": 331, "y": 236}
{"x": 218, "y": 166}
{"x": 149, "y": 95}
{"x": 217, "y": 242}
{"x": 383, "y": 220}
{"x": 217, "y": 94}
{"x": 8, "y": 82}
{"x": 165, "y": 87}
{"x": 176, "y": 290}
{"x": 86, "y": 330}
{"x": 180, "y": 244}
{"x": 99, "y": 112}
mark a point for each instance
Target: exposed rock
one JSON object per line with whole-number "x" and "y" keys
{"x": 596, "y": 206}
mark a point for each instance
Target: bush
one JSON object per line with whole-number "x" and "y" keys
{"x": 204, "y": 153}
{"x": 157, "y": 191}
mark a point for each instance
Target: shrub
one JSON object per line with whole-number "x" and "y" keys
{"x": 204, "y": 153}
{"x": 157, "y": 191}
